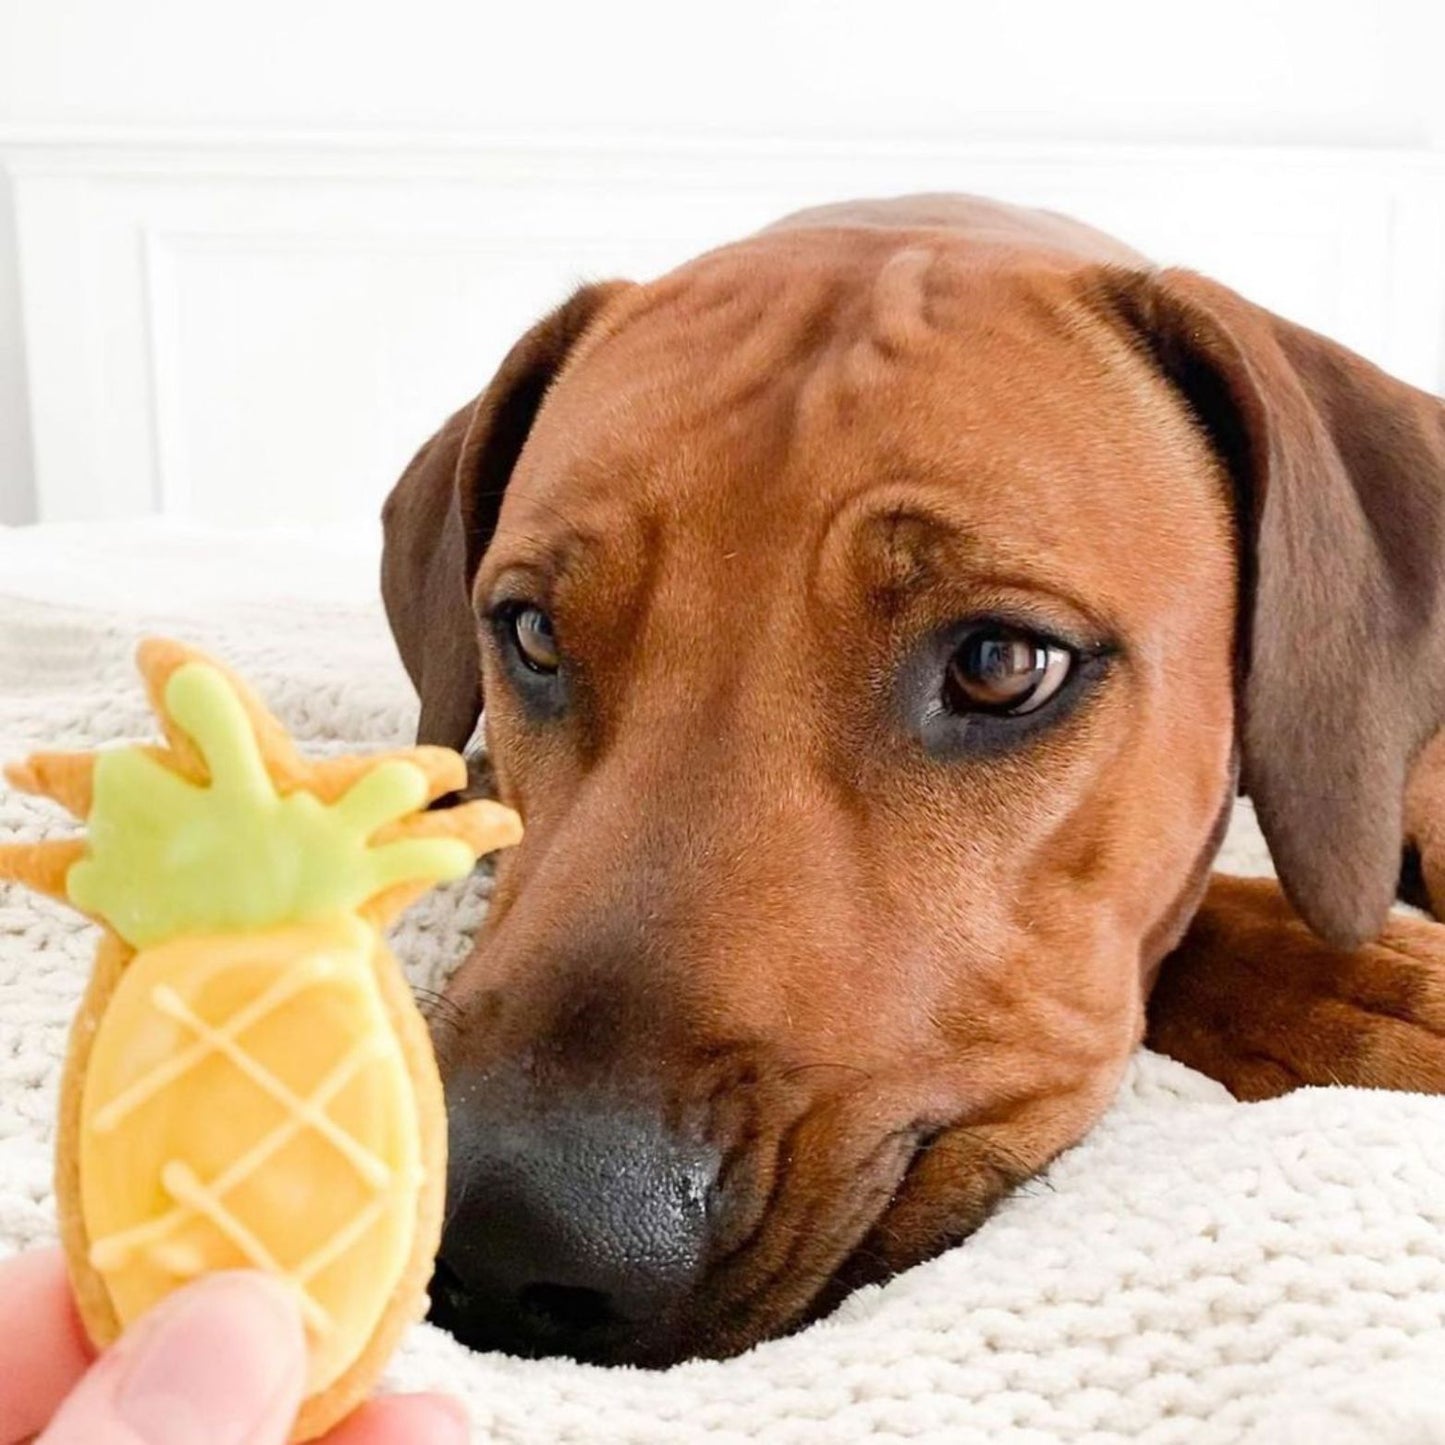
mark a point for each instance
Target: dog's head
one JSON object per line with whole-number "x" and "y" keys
{"x": 872, "y": 630}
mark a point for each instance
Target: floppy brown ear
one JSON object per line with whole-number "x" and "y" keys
{"x": 440, "y": 517}
{"x": 1340, "y": 474}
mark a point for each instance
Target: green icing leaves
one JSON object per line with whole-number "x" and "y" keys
{"x": 167, "y": 858}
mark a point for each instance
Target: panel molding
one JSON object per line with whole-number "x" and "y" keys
{"x": 124, "y": 239}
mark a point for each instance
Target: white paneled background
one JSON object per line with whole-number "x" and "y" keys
{"x": 250, "y": 256}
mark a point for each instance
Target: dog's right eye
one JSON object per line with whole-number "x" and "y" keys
{"x": 534, "y": 639}
{"x": 987, "y": 684}
{"x": 1004, "y": 671}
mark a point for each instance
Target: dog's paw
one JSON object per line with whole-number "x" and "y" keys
{"x": 1253, "y": 999}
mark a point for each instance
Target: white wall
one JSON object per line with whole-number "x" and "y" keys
{"x": 1325, "y": 71}
{"x": 250, "y": 254}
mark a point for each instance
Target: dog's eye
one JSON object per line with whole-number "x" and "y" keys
{"x": 1001, "y": 670}
{"x": 535, "y": 641}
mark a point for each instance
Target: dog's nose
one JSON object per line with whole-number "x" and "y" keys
{"x": 572, "y": 1229}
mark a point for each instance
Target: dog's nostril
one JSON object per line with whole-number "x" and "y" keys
{"x": 564, "y": 1310}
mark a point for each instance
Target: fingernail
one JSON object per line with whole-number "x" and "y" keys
{"x": 217, "y": 1362}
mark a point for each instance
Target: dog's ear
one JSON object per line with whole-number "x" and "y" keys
{"x": 1340, "y": 475}
{"x": 441, "y": 515}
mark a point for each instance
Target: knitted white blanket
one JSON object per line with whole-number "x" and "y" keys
{"x": 1197, "y": 1270}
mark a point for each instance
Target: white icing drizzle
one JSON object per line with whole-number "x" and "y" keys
{"x": 114, "y": 1250}
{"x": 340, "y": 1242}
{"x": 373, "y": 1170}
{"x": 182, "y": 1185}
{"x": 307, "y": 971}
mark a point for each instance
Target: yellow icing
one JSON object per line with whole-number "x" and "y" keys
{"x": 166, "y": 857}
{"x": 247, "y": 1104}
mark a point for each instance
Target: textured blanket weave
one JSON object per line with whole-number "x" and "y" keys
{"x": 1197, "y": 1270}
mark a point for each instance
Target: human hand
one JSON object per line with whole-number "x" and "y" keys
{"x": 220, "y": 1362}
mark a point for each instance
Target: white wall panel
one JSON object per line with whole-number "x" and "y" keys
{"x": 252, "y": 326}
{"x": 17, "y": 468}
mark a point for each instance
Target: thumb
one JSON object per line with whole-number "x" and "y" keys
{"x": 221, "y": 1361}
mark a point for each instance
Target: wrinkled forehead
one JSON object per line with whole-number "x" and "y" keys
{"x": 776, "y": 391}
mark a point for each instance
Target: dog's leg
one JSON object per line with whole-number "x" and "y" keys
{"x": 1422, "y": 872}
{"x": 1252, "y": 998}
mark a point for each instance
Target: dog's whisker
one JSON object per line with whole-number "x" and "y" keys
{"x": 438, "y": 1010}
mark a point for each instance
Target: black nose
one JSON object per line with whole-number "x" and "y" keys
{"x": 573, "y": 1228}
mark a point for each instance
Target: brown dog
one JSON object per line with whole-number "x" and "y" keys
{"x": 876, "y": 618}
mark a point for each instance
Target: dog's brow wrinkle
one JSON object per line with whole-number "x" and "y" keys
{"x": 900, "y": 299}
{"x": 561, "y": 547}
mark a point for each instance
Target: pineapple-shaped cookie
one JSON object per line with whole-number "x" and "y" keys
{"x": 249, "y": 1084}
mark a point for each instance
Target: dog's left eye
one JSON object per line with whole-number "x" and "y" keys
{"x": 534, "y": 639}
{"x": 1001, "y": 670}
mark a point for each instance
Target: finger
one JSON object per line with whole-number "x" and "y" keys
{"x": 221, "y": 1361}
{"x": 201, "y": 702}
{"x": 404, "y": 1420}
{"x": 43, "y": 1349}
{"x": 390, "y": 790}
